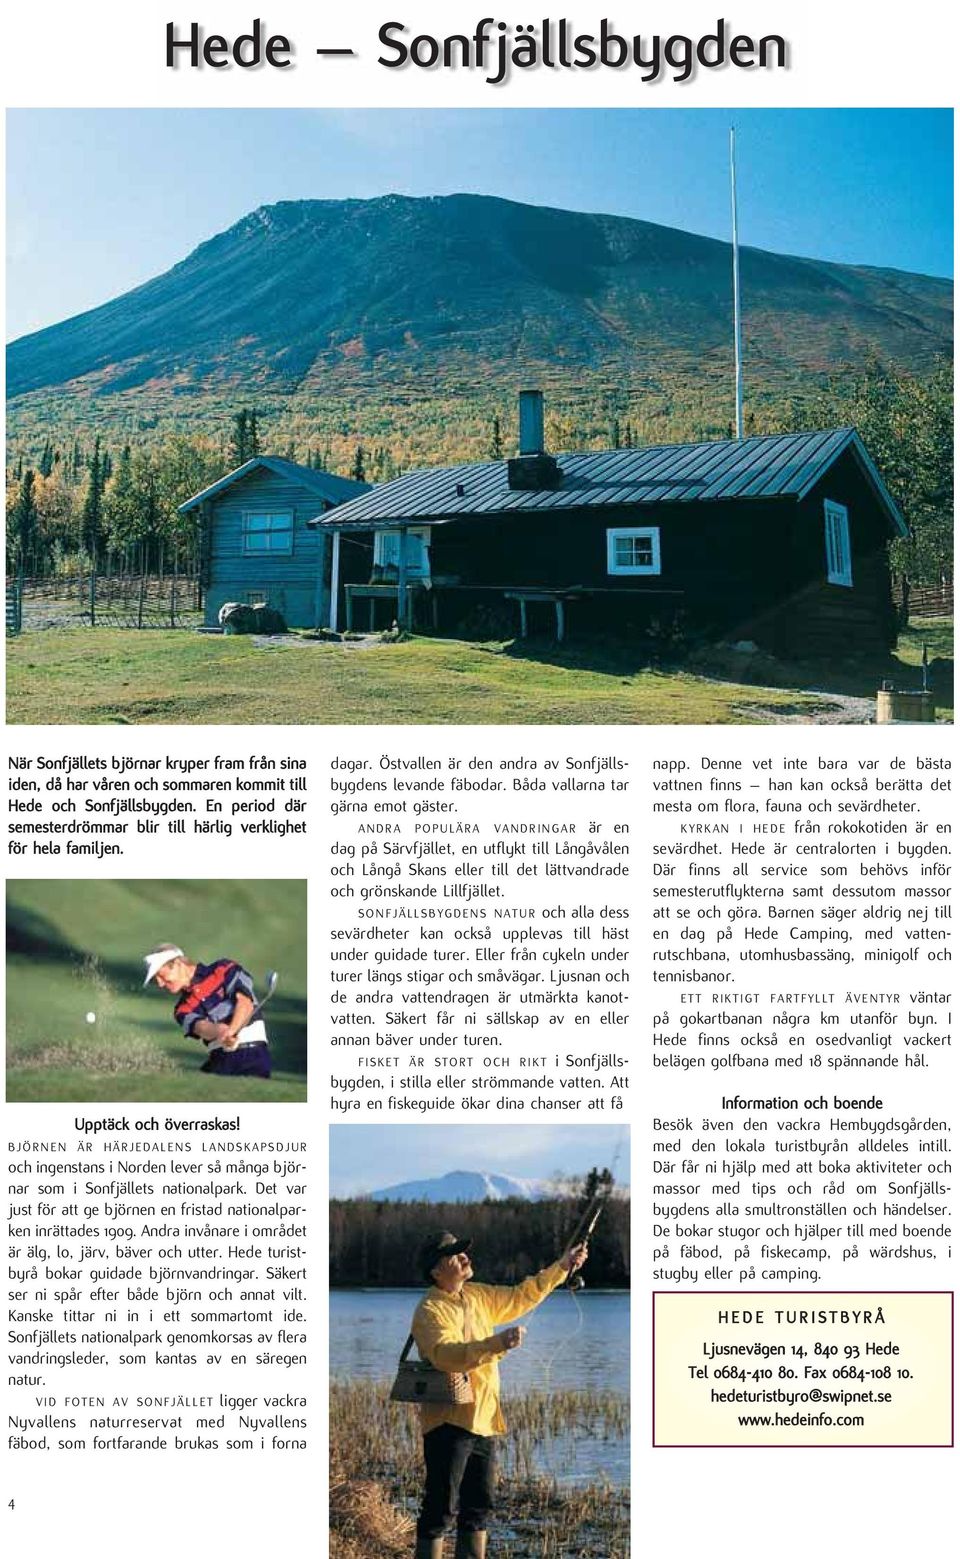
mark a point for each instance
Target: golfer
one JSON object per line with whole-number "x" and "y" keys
{"x": 453, "y": 1327}
{"x": 215, "y": 1003}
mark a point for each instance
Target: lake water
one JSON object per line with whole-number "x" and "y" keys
{"x": 580, "y": 1345}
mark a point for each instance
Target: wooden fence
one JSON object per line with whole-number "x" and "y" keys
{"x": 14, "y": 621}
{"x": 930, "y": 600}
{"x": 116, "y": 600}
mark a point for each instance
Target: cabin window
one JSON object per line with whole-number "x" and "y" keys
{"x": 837, "y": 533}
{"x": 634, "y": 551}
{"x": 386, "y": 552}
{"x": 268, "y": 532}
{"x": 267, "y": 596}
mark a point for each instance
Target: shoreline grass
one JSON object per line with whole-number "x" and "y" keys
{"x": 376, "y": 1476}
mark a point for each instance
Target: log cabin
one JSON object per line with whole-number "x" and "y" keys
{"x": 778, "y": 539}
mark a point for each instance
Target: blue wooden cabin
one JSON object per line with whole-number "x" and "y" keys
{"x": 255, "y": 544}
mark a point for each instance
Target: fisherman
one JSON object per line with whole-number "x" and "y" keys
{"x": 215, "y": 1003}
{"x": 453, "y": 1327}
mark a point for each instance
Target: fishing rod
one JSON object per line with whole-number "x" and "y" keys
{"x": 584, "y": 1230}
{"x": 591, "y": 1217}
{"x": 574, "y": 1282}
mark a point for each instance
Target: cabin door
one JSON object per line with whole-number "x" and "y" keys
{"x": 386, "y": 553}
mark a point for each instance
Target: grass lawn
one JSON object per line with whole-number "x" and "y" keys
{"x": 118, "y": 676}
{"x": 80, "y": 1085}
{"x": 934, "y": 632}
{"x": 75, "y": 947}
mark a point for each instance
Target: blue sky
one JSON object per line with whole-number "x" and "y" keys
{"x": 101, "y": 200}
{"x": 368, "y": 1158}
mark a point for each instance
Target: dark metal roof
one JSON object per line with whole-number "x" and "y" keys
{"x": 335, "y": 489}
{"x": 784, "y": 465}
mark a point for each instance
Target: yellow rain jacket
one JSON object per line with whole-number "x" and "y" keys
{"x": 455, "y": 1333}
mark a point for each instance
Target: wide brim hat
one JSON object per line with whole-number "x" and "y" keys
{"x": 439, "y": 1245}
{"x": 155, "y": 961}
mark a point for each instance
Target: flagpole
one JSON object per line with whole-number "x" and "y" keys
{"x": 737, "y": 352}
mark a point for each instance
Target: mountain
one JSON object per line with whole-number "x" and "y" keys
{"x": 309, "y": 296}
{"x": 462, "y": 1185}
{"x": 405, "y": 325}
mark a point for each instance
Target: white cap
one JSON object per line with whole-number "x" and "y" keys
{"x": 155, "y": 960}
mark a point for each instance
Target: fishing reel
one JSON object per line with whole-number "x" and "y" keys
{"x": 575, "y": 1282}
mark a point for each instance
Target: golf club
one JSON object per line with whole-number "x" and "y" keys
{"x": 270, "y": 985}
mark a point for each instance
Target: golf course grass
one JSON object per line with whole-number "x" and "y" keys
{"x": 74, "y": 947}
{"x": 119, "y": 676}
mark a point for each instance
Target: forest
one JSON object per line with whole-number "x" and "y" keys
{"x": 375, "y": 1244}
{"x": 110, "y": 491}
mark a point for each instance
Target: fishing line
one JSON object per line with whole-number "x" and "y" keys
{"x": 564, "y": 1341}
{"x": 582, "y": 1232}
{"x": 586, "y": 1226}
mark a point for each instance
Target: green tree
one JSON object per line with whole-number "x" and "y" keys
{"x": 147, "y": 511}
{"x": 182, "y": 466}
{"x": 359, "y": 470}
{"x": 23, "y": 518}
{"x": 92, "y": 515}
{"x": 371, "y": 1242}
{"x": 496, "y": 439}
{"x": 240, "y": 441}
{"x": 244, "y": 438}
{"x": 123, "y": 514}
{"x": 58, "y": 516}
{"x": 906, "y": 423}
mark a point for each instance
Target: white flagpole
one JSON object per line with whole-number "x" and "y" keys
{"x": 737, "y": 352}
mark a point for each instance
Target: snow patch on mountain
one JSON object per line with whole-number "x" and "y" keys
{"x": 463, "y": 1185}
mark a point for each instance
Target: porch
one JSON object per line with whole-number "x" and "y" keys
{"x": 435, "y": 606}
